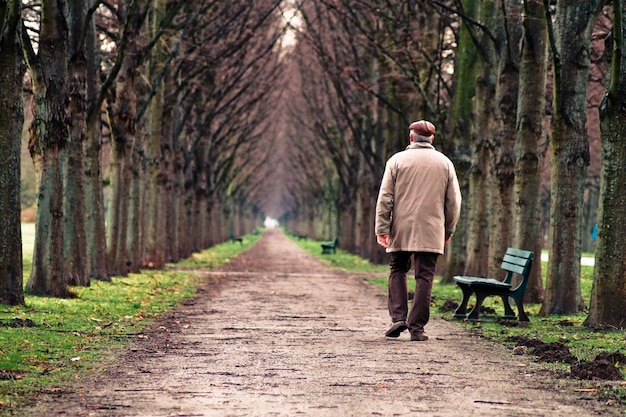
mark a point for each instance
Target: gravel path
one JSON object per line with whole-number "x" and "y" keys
{"x": 284, "y": 335}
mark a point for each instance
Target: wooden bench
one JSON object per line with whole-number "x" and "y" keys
{"x": 330, "y": 247}
{"x": 515, "y": 261}
{"x": 234, "y": 239}
{"x": 299, "y": 235}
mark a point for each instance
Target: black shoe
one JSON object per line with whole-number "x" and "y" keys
{"x": 419, "y": 337}
{"x": 396, "y": 328}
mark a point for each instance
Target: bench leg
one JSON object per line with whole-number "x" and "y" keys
{"x": 475, "y": 311}
{"x": 520, "y": 309}
{"x": 461, "y": 310}
{"x": 508, "y": 311}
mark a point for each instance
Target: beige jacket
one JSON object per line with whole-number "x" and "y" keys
{"x": 419, "y": 202}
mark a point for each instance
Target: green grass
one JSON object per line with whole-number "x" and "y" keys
{"x": 583, "y": 342}
{"x": 51, "y": 342}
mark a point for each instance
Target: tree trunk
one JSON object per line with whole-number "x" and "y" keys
{"x": 75, "y": 241}
{"x": 608, "y": 296}
{"x": 346, "y": 218}
{"x": 569, "y": 153}
{"x": 11, "y": 123}
{"x": 117, "y": 215}
{"x": 95, "y": 228}
{"x": 197, "y": 224}
{"x": 135, "y": 233}
{"x": 123, "y": 133}
{"x": 47, "y": 276}
{"x": 461, "y": 118}
{"x": 156, "y": 220}
{"x": 125, "y": 165}
{"x": 94, "y": 204}
{"x": 175, "y": 190}
{"x": 211, "y": 219}
{"x": 590, "y": 214}
{"x": 480, "y": 138}
{"x": 312, "y": 214}
{"x": 501, "y": 173}
{"x": 50, "y": 133}
{"x": 531, "y": 143}
{"x": 367, "y": 238}
{"x": 183, "y": 222}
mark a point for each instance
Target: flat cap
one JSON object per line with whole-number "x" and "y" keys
{"x": 423, "y": 128}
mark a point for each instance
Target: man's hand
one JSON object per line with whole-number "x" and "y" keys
{"x": 383, "y": 240}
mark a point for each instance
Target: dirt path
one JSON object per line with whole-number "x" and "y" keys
{"x": 286, "y": 336}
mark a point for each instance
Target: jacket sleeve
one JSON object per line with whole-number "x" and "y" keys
{"x": 453, "y": 202}
{"x": 384, "y": 204}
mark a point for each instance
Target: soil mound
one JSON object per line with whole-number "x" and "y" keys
{"x": 606, "y": 365}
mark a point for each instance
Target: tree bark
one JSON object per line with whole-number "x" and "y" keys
{"x": 156, "y": 220}
{"x": 135, "y": 233}
{"x": 11, "y": 122}
{"x": 569, "y": 152}
{"x": 174, "y": 187}
{"x": 49, "y": 136}
{"x": 75, "y": 241}
{"x": 477, "y": 263}
{"x": 608, "y": 296}
{"x": 95, "y": 228}
{"x": 125, "y": 137}
{"x": 508, "y": 32}
{"x": 123, "y": 131}
{"x": 461, "y": 119}
{"x": 531, "y": 143}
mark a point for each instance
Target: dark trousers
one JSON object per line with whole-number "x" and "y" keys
{"x": 424, "y": 264}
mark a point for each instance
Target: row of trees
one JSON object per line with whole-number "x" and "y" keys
{"x": 481, "y": 71}
{"x": 167, "y": 103}
{"x": 195, "y": 112}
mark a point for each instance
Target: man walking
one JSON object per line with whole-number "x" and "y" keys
{"x": 417, "y": 210}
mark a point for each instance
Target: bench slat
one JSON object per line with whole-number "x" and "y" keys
{"x": 520, "y": 253}
{"x": 513, "y": 268}
{"x": 516, "y": 260}
{"x": 481, "y": 281}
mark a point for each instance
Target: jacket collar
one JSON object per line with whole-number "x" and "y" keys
{"x": 420, "y": 145}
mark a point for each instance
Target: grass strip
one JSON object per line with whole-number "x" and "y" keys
{"x": 51, "y": 342}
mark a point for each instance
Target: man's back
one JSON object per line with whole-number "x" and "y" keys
{"x": 418, "y": 178}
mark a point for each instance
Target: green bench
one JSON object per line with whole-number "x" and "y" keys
{"x": 329, "y": 247}
{"x": 234, "y": 239}
{"x": 515, "y": 261}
